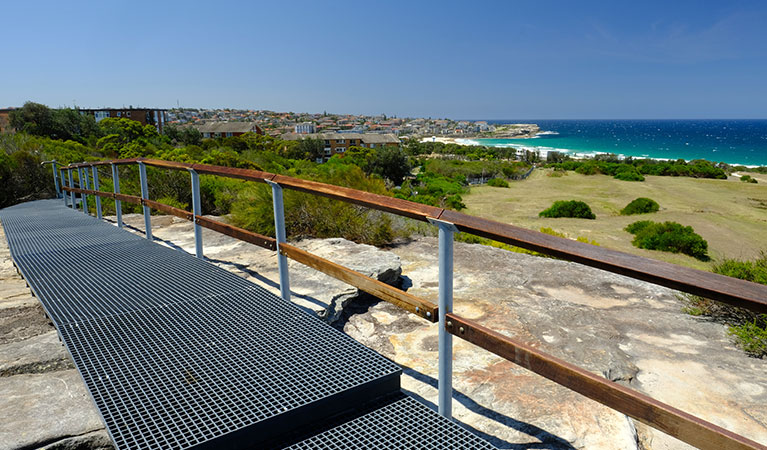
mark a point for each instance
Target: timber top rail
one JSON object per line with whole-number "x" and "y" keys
{"x": 679, "y": 424}
{"x": 725, "y": 289}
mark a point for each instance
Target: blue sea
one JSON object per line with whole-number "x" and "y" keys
{"x": 730, "y": 141}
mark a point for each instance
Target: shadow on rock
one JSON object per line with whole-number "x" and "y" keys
{"x": 548, "y": 440}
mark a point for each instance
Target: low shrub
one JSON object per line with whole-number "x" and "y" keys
{"x": 308, "y": 215}
{"x": 571, "y": 208}
{"x": 171, "y": 201}
{"x": 641, "y": 205}
{"x": 668, "y": 237}
{"x": 628, "y": 173}
{"x": 588, "y": 168}
{"x": 748, "y": 328}
{"x": 751, "y": 336}
{"x": 498, "y": 182}
{"x": 748, "y": 179}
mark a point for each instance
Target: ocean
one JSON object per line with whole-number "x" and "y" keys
{"x": 738, "y": 142}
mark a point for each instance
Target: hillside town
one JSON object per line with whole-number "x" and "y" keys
{"x": 281, "y": 123}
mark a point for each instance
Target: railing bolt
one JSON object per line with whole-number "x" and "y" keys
{"x": 449, "y": 324}
{"x": 461, "y": 330}
{"x": 417, "y": 309}
{"x": 428, "y": 314}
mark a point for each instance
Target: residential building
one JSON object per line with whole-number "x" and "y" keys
{"x": 227, "y": 129}
{"x": 146, "y": 116}
{"x": 305, "y": 128}
{"x": 338, "y": 143}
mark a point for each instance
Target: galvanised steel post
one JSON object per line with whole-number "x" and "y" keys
{"x": 445, "y": 382}
{"x": 87, "y": 186}
{"x": 63, "y": 183}
{"x": 197, "y": 210}
{"x": 118, "y": 203}
{"x": 83, "y": 185}
{"x": 96, "y": 188}
{"x": 279, "y": 231}
{"x": 145, "y": 196}
{"x": 56, "y": 179}
{"x": 71, "y": 194}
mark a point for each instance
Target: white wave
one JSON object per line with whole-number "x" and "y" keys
{"x": 546, "y": 133}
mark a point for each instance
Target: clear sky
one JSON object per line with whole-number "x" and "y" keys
{"x": 470, "y": 59}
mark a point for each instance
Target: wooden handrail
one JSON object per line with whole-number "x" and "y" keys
{"x": 237, "y": 233}
{"x": 729, "y": 290}
{"x": 647, "y": 410}
{"x": 673, "y": 421}
{"x": 706, "y": 284}
{"x": 167, "y": 209}
{"x": 406, "y": 301}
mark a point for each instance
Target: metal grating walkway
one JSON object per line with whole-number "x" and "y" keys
{"x": 178, "y": 353}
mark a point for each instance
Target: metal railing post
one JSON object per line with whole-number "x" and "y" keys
{"x": 71, "y": 193}
{"x": 96, "y": 188}
{"x": 83, "y": 185}
{"x": 63, "y": 183}
{"x": 118, "y": 203}
{"x": 56, "y": 179}
{"x": 445, "y": 382}
{"x": 279, "y": 231}
{"x": 197, "y": 210}
{"x": 145, "y": 196}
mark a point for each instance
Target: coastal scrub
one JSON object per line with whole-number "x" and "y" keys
{"x": 748, "y": 328}
{"x": 668, "y": 237}
{"x": 572, "y": 208}
{"x": 641, "y": 205}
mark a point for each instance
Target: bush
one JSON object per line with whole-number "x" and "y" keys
{"x": 588, "y": 168}
{"x": 748, "y": 328}
{"x": 308, "y": 215}
{"x": 572, "y": 208}
{"x": 752, "y": 336}
{"x": 641, "y": 205}
{"x": 748, "y": 179}
{"x": 668, "y": 237}
{"x": 498, "y": 182}
{"x": 628, "y": 173}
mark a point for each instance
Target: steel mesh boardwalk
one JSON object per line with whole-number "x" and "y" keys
{"x": 179, "y": 353}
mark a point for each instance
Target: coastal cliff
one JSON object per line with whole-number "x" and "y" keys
{"x": 514, "y": 131}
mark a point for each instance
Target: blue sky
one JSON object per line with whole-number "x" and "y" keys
{"x": 493, "y": 60}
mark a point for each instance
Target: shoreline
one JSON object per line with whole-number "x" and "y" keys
{"x": 576, "y": 154}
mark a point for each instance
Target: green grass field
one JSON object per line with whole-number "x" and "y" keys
{"x": 729, "y": 214}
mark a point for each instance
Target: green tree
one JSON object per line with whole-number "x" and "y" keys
{"x": 33, "y": 118}
{"x": 64, "y": 124}
{"x": 310, "y": 149}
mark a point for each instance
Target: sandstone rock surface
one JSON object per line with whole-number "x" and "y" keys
{"x": 624, "y": 329}
{"x": 43, "y": 401}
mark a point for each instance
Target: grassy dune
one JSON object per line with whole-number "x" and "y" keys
{"x": 729, "y": 214}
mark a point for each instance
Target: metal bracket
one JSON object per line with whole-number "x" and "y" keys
{"x": 449, "y": 226}
{"x": 272, "y": 183}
